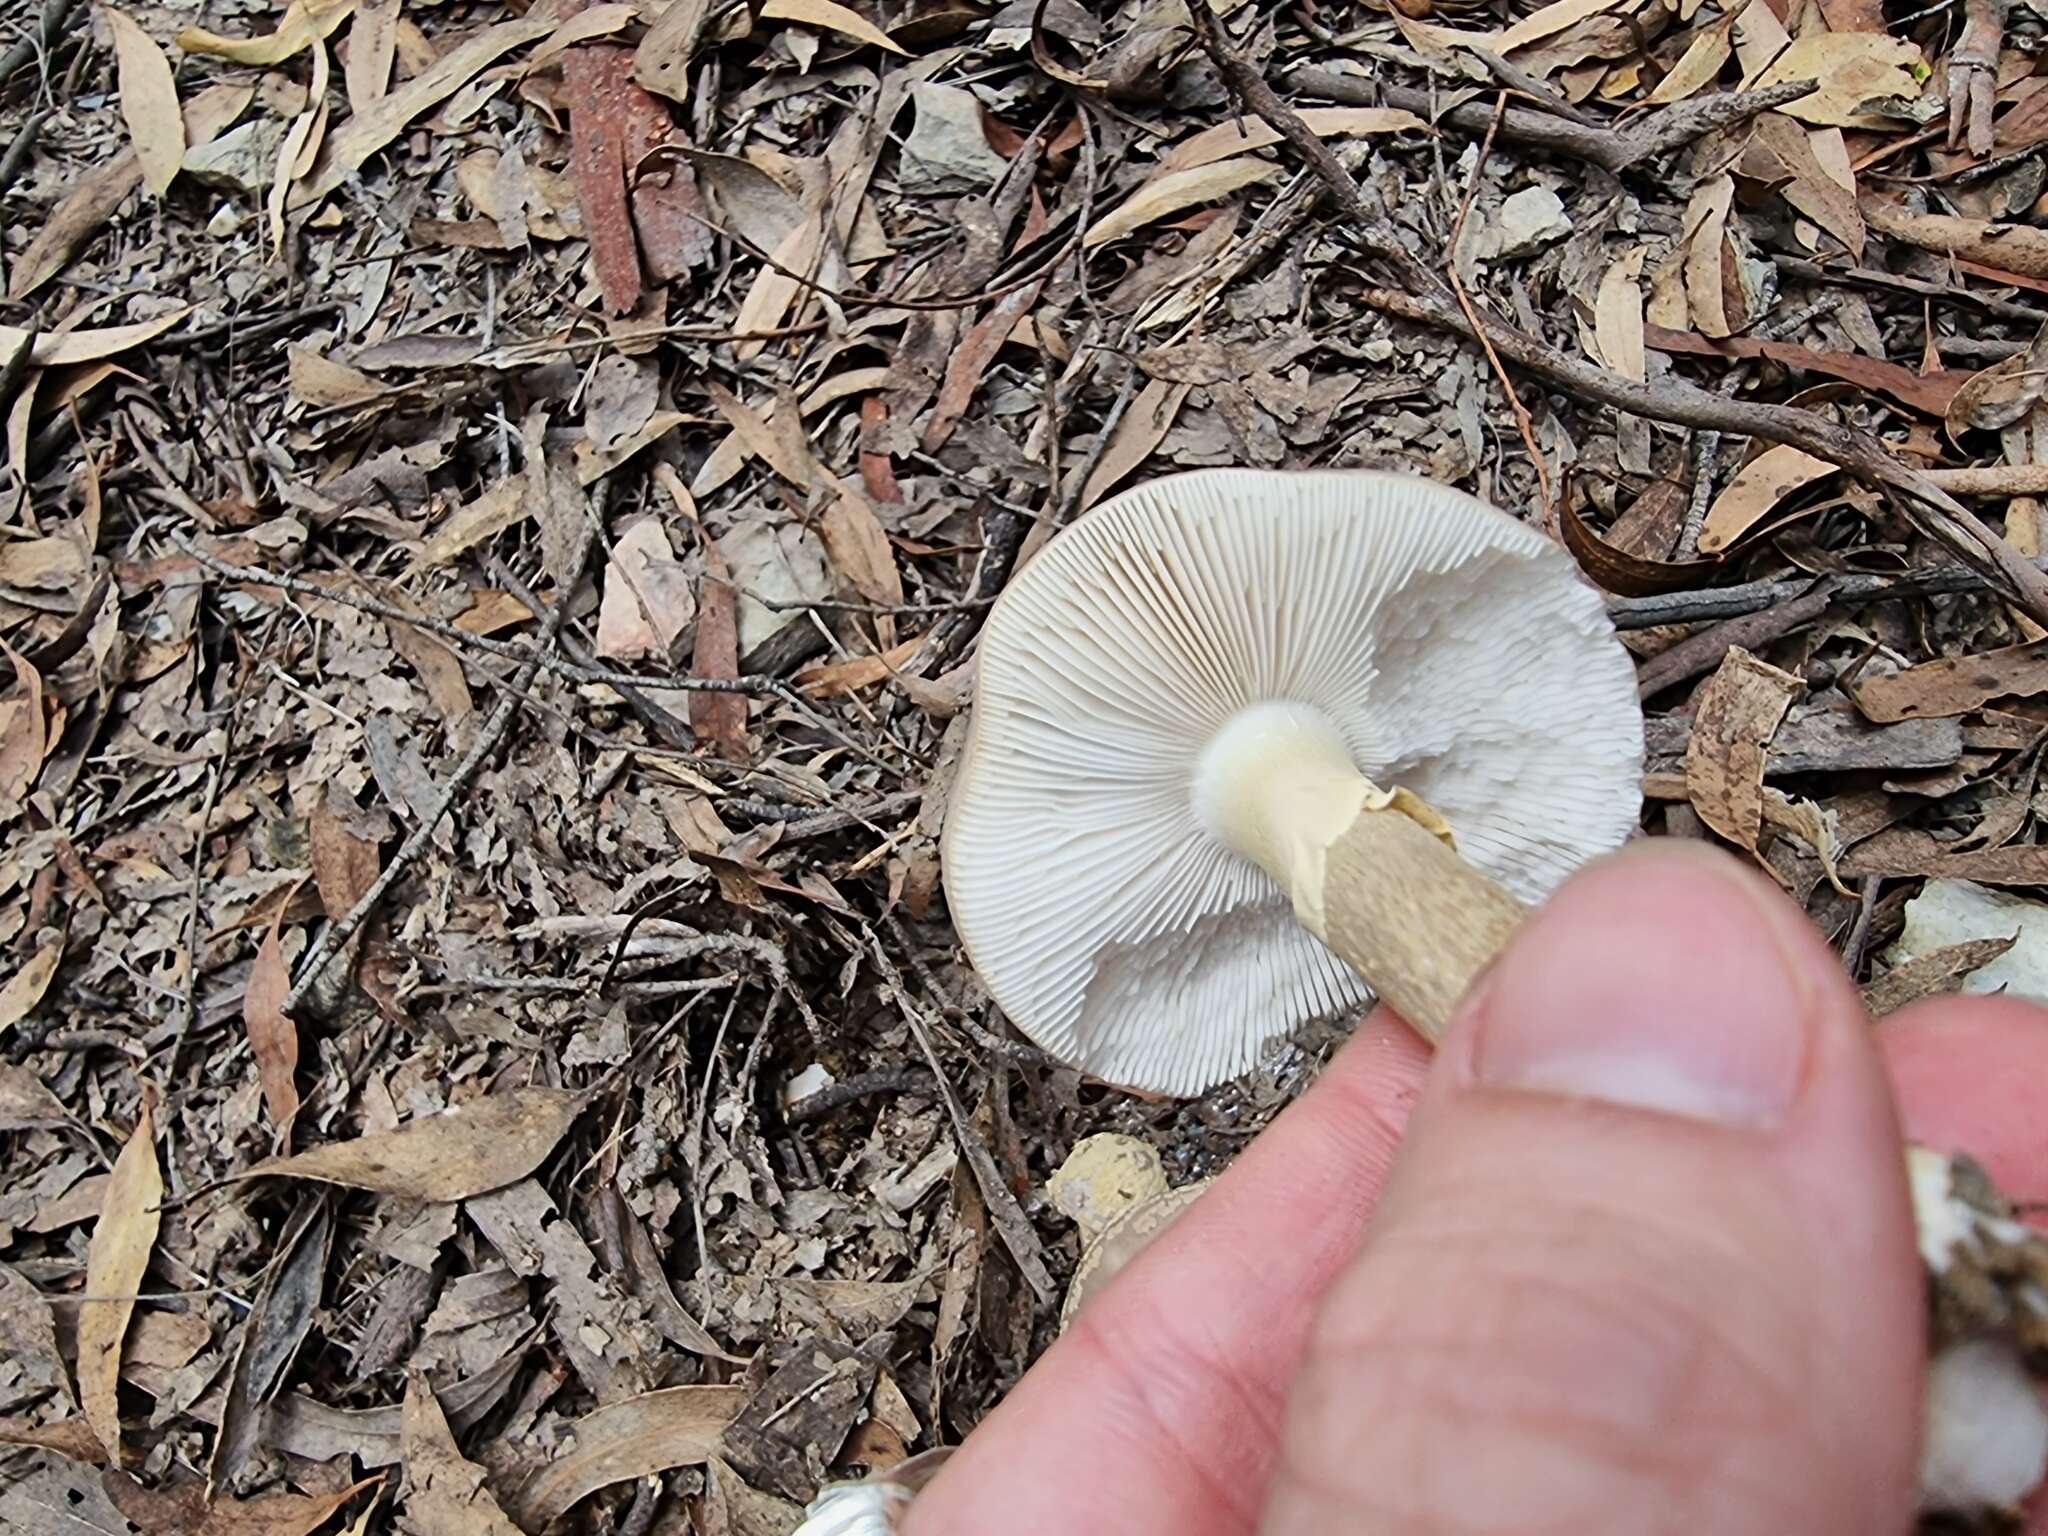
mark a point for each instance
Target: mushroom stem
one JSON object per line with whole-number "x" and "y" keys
{"x": 1371, "y": 872}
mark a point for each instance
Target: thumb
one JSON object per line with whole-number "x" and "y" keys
{"x": 1646, "y": 1262}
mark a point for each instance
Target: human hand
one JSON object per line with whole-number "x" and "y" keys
{"x": 1645, "y": 1261}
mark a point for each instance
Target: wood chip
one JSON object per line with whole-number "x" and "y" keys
{"x": 1736, "y": 713}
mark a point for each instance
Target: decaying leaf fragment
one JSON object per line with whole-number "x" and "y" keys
{"x": 444, "y": 1493}
{"x": 675, "y": 1427}
{"x": 475, "y": 1147}
{"x": 273, "y": 1037}
{"x": 1955, "y": 685}
{"x": 1757, "y": 488}
{"x": 1736, "y": 712}
{"x": 122, "y": 1241}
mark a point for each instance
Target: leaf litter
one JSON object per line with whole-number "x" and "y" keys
{"x": 500, "y": 502}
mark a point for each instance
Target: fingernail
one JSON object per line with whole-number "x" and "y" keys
{"x": 1661, "y": 978}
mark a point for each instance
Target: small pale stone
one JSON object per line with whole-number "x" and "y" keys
{"x": 1526, "y": 222}
{"x": 946, "y": 147}
{"x": 226, "y": 221}
{"x": 1948, "y": 912}
{"x": 242, "y": 160}
{"x": 1103, "y": 1177}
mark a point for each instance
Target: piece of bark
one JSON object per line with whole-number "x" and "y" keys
{"x": 1738, "y": 712}
{"x": 1829, "y": 738}
{"x": 1955, "y": 685}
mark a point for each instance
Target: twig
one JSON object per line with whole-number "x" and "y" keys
{"x": 1522, "y": 422}
{"x": 892, "y": 1080}
{"x": 1751, "y": 596}
{"x": 41, "y": 37}
{"x": 1703, "y": 652}
{"x": 1612, "y": 149}
{"x": 1424, "y": 297}
{"x": 18, "y": 151}
{"x": 336, "y": 934}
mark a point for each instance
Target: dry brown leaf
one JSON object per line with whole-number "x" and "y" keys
{"x": 647, "y": 602}
{"x": 1177, "y": 190}
{"x": 474, "y": 521}
{"x": 345, "y": 866}
{"x": 594, "y": 78}
{"x": 675, "y": 1427}
{"x": 970, "y": 360}
{"x": 662, "y": 61}
{"x": 372, "y": 45}
{"x": 366, "y": 133}
{"x": 1853, "y": 68}
{"x": 1923, "y": 392}
{"x": 1700, "y": 65}
{"x": 445, "y": 1494}
{"x": 186, "y": 1511}
{"x": 1735, "y": 714}
{"x": 1143, "y": 428}
{"x": 59, "y": 349}
{"x": 758, "y": 436}
{"x": 468, "y": 1150}
{"x": 834, "y": 16}
{"x": 1618, "y": 570}
{"x": 1902, "y": 851}
{"x": 855, "y": 672}
{"x": 1546, "y": 21}
{"x": 1758, "y": 487}
{"x": 1618, "y": 316}
{"x": 149, "y": 101}
{"x": 860, "y": 550}
{"x": 25, "y": 1104}
{"x": 25, "y": 988}
{"x": 1954, "y": 685}
{"x": 24, "y": 725}
{"x": 318, "y": 380}
{"x": 28, "y": 1333}
{"x": 301, "y": 141}
{"x": 102, "y": 190}
{"x": 303, "y": 24}
{"x": 1933, "y": 974}
{"x": 273, "y": 1037}
{"x": 118, "y": 1258}
{"x": 1245, "y": 135}
{"x": 2001, "y": 395}
{"x": 1706, "y": 255}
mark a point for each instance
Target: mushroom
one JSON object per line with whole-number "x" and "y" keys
{"x": 1228, "y": 730}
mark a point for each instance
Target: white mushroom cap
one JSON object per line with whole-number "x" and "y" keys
{"x": 1455, "y": 653}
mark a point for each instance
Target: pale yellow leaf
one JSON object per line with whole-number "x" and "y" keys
{"x": 149, "y": 102}
{"x": 25, "y": 988}
{"x": 1761, "y": 484}
{"x": 1177, "y": 190}
{"x": 1853, "y": 68}
{"x": 832, "y": 15}
{"x": 115, "y": 1263}
{"x": 469, "y": 1150}
{"x": 1245, "y": 135}
{"x": 60, "y": 349}
{"x": 300, "y": 143}
{"x": 1618, "y": 316}
{"x": 302, "y": 24}
{"x": 1533, "y": 28}
{"x": 1700, "y": 65}
{"x": 1706, "y": 224}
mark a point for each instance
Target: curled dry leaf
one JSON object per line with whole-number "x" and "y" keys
{"x": 468, "y": 1150}
{"x": 1618, "y": 571}
{"x": 149, "y": 101}
{"x": 304, "y": 23}
{"x": 1997, "y": 397}
{"x": 1700, "y": 65}
{"x": 1618, "y": 316}
{"x": 675, "y": 1427}
{"x": 1933, "y": 974}
{"x": 1736, "y": 712}
{"x": 1759, "y": 486}
{"x": 122, "y": 1240}
{"x": 2020, "y": 249}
